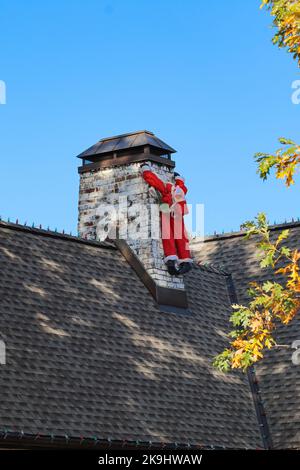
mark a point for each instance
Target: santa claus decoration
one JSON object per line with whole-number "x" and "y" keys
{"x": 173, "y": 208}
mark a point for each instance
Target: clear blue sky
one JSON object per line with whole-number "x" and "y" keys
{"x": 204, "y": 76}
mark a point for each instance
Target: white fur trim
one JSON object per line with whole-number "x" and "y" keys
{"x": 145, "y": 168}
{"x": 185, "y": 260}
{"x": 165, "y": 208}
{"x": 171, "y": 258}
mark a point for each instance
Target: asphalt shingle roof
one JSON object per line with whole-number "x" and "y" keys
{"x": 90, "y": 354}
{"x": 279, "y": 378}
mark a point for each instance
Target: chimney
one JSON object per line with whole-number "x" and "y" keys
{"x": 110, "y": 177}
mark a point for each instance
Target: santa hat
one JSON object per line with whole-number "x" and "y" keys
{"x": 178, "y": 177}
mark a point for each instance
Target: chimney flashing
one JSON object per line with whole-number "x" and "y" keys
{"x": 115, "y": 160}
{"x": 169, "y": 300}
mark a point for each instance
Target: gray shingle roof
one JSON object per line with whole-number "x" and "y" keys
{"x": 279, "y": 379}
{"x": 126, "y": 141}
{"x": 90, "y": 354}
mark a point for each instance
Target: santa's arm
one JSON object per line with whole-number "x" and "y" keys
{"x": 180, "y": 182}
{"x": 152, "y": 179}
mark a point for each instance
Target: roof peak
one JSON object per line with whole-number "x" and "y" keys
{"x": 119, "y": 136}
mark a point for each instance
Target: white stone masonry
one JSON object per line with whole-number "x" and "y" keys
{"x": 120, "y": 193}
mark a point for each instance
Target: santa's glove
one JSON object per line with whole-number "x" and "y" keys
{"x": 152, "y": 192}
{"x": 145, "y": 167}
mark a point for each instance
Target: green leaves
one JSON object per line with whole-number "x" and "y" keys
{"x": 241, "y": 316}
{"x": 267, "y": 286}
{"x": 268, "y": 260}
{"x": 285, "y": 141}
{"x": 257, "y": 226}
{"x": 223, "y": 361}
{"x": 265, "y": 163}
{"x": 285, "y": 251}
{"x": 283, "y": 236}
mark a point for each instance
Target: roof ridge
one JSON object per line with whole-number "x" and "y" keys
{"x": 125, "y": 135}
{"x": 241, "y": 233}
{"x": 50, "y": 233}
{"x": 212, "y": 268}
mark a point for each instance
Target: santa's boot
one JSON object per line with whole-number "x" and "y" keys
{"x": 184, "y": 268}
{"x": 171, "y": 267}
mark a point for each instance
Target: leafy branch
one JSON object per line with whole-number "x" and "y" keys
{"x": 286, "y": 20}
{"x": 270, "y": 302}
{"x": 285, "y": 161}
{"x": 286, "y": 15}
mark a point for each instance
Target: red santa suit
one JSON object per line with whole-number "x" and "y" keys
{"x": 173, "y": 208}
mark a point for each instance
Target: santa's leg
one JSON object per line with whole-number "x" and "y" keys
{"x": 182, "y": 245}
{"x": 168, "y": 242}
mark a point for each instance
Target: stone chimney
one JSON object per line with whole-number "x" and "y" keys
{"x": 110, "y": 176}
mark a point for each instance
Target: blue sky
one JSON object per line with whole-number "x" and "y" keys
{"x": 204, "y": 76}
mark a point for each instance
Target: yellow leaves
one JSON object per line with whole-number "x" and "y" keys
{"x": 285, "y": 161}
{"x": 250, "y": 349}
{"x": 292, "y": 271}
{"x": 269, "y": 343}
{"x": 296, "y": 286}
{"x": 286, "y": 15}
{"x": 283, "y": 271}
{"x": 282, "y": 236}
{"x": 236, "y": 360}
{"x": 263, "y": 3}
{"x": 296, "y": 256}
{"x": 256, "y": 325}
{"x": 294, "y": 274}
{"x": 286, "y": 167}
{"x": 238, "y": 344}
